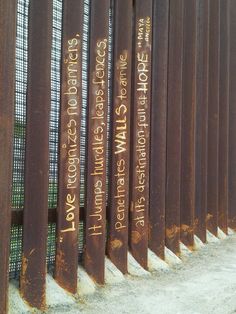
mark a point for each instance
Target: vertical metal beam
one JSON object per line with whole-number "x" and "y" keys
{"x": 232, "y": 118}
{"x": 139, "y": 201}
{"x": 120, "y": 154}
{"x": 158, "y": 126}
{"x": 95, "y": 205}
{"x": 213, "y": 117}
{"x": 188, "y": 125}
{"x": 69, "y": 182}
{"x": 7, "y": 92}
{"x": 201, "y": 118}
{"x": 33, "y": 275}
{"x": 224, "y": 115}
{"x": 173, "y": 167}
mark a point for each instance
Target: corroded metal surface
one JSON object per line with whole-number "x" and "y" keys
{"x": 7, "y": 90}
{"x": 173, "y": 159}
{"x": 201, "y": 118}
{"x": 232, "y": 118}
{"x": 185, "y": 72}
{"x": 69, "y": 161}
{"x": 213, "y": 117}
{"x": 188, "y": 125}
{"x": 158, "y": 127}
{"x": 33, "y": 275}
{"x": 120, "y": 160}
{"x": 139, "y": 192}
{"x": 95, "y": 206}
{"x": 224, "y": 116}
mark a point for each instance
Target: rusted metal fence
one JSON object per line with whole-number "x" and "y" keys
{"x": 144, "y": 95}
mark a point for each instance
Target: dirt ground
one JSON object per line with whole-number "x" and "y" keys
{"x": 205, "y": 283}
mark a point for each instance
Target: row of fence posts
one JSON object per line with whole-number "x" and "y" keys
{"x": 172, "y": 164}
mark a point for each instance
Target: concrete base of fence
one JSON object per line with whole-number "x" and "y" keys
{"x": 198, "y": 244}
{"x": 171, "y": 259}
{"x": 112, "y": 273}
{"x": 135, "y": 269}
{"x": 231, "y": 231}
{"x": 16, "y": 303}
{"x": 221, "y": 234}
{"x": 56, "y": 296}
{"x": 184, "y": 250}
{"x": 211, "y": 238}
{"x": 86, "y": 285}
{"x": 155, "y": 264}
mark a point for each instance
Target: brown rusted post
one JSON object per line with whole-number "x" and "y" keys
{"x": 201, "y": 118}
{"x": 213, "y": 116}
{"x": 224, "y": 115}
{"x": 95, "y": 205}
{"x": 173, "y": 159}
{"x": 7, "y": 91}
{"x": 69, "y": 190}
{"x": 158, "y": 127}
{"x": 232, "y": 118}
{"x": 139, "y": 201}
{"x": 33, "y": 274}
{"x": 187, "y": 206}
{"x": 120, "y": 154}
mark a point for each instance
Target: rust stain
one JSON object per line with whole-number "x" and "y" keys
{"x": 191, "y": 247}
{"x": 209, "y": 217}
{"x": 136, "y": 237}
{"x": 132, "y": 206}
{"x": 43, "y": 306}
{"x": 24, "y": 266}
{"x": 60, "y": 260}
{"x": 25, "y": 283}
{"x": 196, "y": 225}
{"x": 171, "y": 232}
{"x": 116, "y": 244}
{"x": 186, "y": 228}
{"x": 88, "y": 258}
